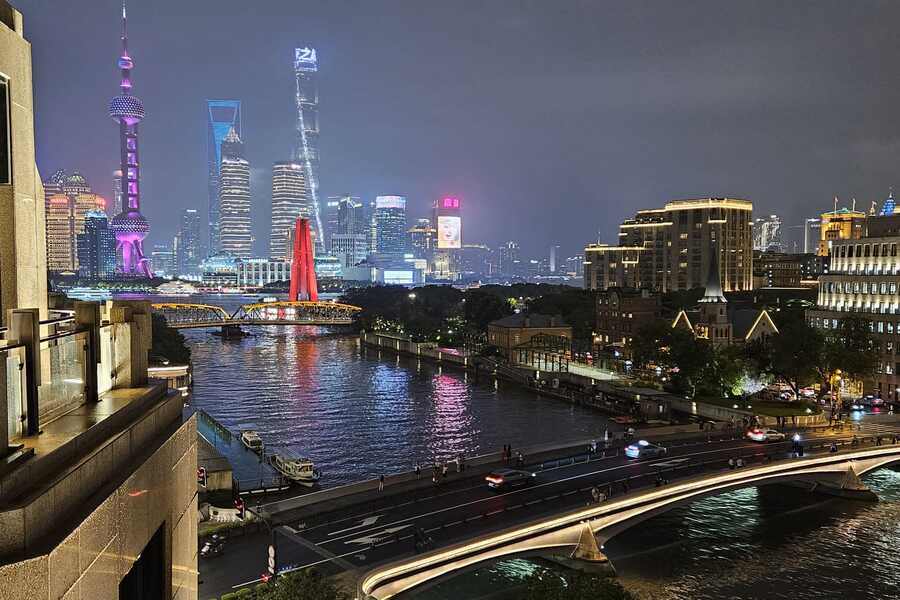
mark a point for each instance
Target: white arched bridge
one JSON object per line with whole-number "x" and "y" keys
{"x": 582, "y": 532}
{"x": 186, "y": 316}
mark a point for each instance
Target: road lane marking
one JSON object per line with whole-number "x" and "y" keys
{"x": 375, "y": 538}
{"x": 367, "y": 522}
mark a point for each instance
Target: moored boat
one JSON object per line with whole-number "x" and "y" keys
{"x": 298, "y": 470}
{"x": 252, "y": 441}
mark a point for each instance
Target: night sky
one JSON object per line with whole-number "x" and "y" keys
{"x": 552, "y": 120}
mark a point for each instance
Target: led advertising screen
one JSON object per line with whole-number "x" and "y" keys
{"x": 449, "y": 232}
{"x": 399, "y": 277}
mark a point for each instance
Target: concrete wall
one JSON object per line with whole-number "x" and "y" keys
{"x": 23, "y": 255}
{"x": 422, "y": 350}
{"x": 97, "y": 554}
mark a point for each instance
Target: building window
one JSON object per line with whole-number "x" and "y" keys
{"x": 5, "y": 134}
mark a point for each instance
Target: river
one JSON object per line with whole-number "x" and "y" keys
{"x": 358, "y": 414}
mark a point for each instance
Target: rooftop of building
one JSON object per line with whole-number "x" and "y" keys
{"x": 533, "y": 320}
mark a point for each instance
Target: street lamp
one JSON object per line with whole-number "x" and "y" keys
{"x": 412, "y": 295}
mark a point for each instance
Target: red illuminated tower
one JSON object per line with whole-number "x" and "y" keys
{"x": 303, "y": 272}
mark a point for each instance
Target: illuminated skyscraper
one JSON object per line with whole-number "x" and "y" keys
{"x": 306, "y": 67}
{"x": 187, "y": 243}
{"x": 67, "y": 202}
{"x": 130, "y": 226}
{"x": 96, "y": 248}
{"x": 221, "y": 117}
{"x": 767, "y": 234}
{"x": 289, "y": 201}
{"x": 234, "y": 199}
{"x": 390, "y": 225}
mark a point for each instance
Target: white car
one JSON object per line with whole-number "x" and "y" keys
{"x": 765, "y": 435}
{"x": 644, "y": 449}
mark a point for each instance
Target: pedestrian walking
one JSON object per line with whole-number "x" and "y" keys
{"x": 456, "y": 460}
{"x": 833, "y": 447}
{"x": 731, "y": 463}
{"x": 625, "y": 486}
{"x": 739, "y": 462}
{"x": 520, "y": 460}
{"x": 418, "y": 470}
{"x": 381, "y": 483}
{"x": 595, "y": 494}
{"x": 444, "y": 470}
{"x": 878, "y": 441}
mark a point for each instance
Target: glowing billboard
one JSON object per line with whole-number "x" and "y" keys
{"x": 449, "y": 234}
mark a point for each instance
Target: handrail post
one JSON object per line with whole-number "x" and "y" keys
{"x": 87, "y": 316}
{"x": 25, "y": 328}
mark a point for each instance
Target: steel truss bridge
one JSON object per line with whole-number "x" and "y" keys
{"x": 191, "y": 316}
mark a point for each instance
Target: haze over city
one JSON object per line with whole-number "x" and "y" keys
{"x": 531, "y": 112}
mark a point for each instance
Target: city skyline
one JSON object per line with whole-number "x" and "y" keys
{"x": 649, "y": 119}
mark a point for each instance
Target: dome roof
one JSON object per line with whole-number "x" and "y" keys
{"x": 129, "y": 107}
{"x": 76, "y": 178}
{"x": 129, "y": 221}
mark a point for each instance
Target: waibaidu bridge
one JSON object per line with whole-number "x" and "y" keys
{"x": 303, "y": 306}
{"x": 302, "y": 312}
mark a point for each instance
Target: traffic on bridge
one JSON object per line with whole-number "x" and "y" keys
{"x": 387, "y": 531}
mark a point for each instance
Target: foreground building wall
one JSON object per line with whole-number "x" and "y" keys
{"x": 23, "y": 267}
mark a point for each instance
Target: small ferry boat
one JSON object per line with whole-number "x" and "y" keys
{"x": 298, "y": 470}
{"x": 252, "y": 441}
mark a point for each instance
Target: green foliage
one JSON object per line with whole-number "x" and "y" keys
{"x": 483, "y": 307}
{"x": 647, "y": 344}
{"x": 307, "y": 584}
{"x": 168, "y": 342}
{"x": 850, "y": 349}
{"x": 794, "y": 355}
{"x": 577, "y": 307}
{"x": 544, "y": 584}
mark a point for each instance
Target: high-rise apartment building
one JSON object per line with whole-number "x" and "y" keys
{"x": 67, "y": 202}
{"x": 289, "y": 201}
{"x": 187, "y": 244}
{"x": 221, "y": 117}
{"x": 840, "y": 224}
{"x": 163, "y": 256}
{"x": 96, "y": 248}
{"x": 768, "y": 234}
{"x": 555, "y": 258}
{"x": 390, "y": 225}
{"x": 811, "y": 235}
{"x": 348, "y": 229}
{"x": 422, "y": 239}
{"x": 666, "y": 249}
{"x": 306, "y": 68}
{"x": 510, "y": 259}
{"x": 235, "y": 237}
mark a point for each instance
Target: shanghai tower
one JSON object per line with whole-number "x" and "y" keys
{"x": 129, "y": 226}
{"x": 306, "y": 67}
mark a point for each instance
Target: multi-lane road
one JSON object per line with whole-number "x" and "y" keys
{"x": 358, "y": 537}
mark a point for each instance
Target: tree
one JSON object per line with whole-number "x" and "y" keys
{"x": 850, "y": 349}
{"x": 307, "y": 584}
{"x": 168, "y": 342}
{"x": 544, "y": 584}
{"x": 577, "y": 307}
{"x": 794, "y": 355}
{"x": 648, "y": 341}
{"x": 483, "y": 307}
{"x": 691, "y": 357}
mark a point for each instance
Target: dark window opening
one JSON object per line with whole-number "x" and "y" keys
{"x": 146, "y": 580}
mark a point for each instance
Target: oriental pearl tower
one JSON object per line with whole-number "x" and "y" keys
{"x": 129, "y": 226}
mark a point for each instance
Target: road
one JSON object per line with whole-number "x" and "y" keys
{"x": 360, "y": 537}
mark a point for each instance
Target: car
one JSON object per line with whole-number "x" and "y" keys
{"x": 644, "y": 449}
{"x": 502, "y": 479}
{"x": 765, "y": 435}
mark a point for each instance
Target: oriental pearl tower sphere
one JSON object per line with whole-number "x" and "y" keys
{"x": 129, "y": 226}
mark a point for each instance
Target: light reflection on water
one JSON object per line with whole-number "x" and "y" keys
{"x": 357, "y": 415}
{"x": 753, "y": 544}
